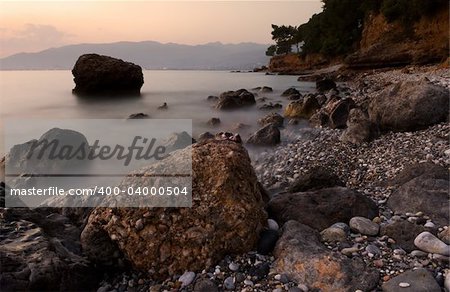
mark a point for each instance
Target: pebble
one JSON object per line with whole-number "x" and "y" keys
{"x": 404, "y": 284}
{"x": 273, "y": 225}
{"x": 430, "y": 243}
{"x": 364, "y": 226}
{"x": 233, "y": 267}
{"x": 248, "y": 282}
{"x": 186, "y": 279}
{"x": 430, "y": 225}
{"x": 228, "y": 283}
{"x": 349, "y": 250}
{"x": 139, "y": 224}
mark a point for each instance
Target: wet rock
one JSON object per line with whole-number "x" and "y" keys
{"x": 290, "y": 91}
{"x": 97, "y": 74}
{"x": 294, "y": 97}
{"x": 212, "y": 98}
{"x": 304, "y": 108}
{"x": 271, "y": 106}
{"x": 214, "y": 122}
{"x": 321, "y": 208}
{"x": 266, "y": 89}
{"x": 164, "y": 106}
{"x": 266, "y": 136}
{"x": 325, "y": 84}
{"x": 228, "y": 222}
{"x": 409, "y": 106}
{"x": 428, "y": 242}
{"x": 403, "y": 232}
{"x": 302, "y": 257}
{"x": 272, "y": 118}
{"x": 138, "y": 116}
{"x": 364, "y": 226}
{"x": 235, "y": 99}
{"x": 316, "y": 178}
{"x": 418, "y": 280}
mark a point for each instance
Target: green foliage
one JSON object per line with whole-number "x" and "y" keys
{"x": 408, "y": 11}
{"x": 271, "y": 50}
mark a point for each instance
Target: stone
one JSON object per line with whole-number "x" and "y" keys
{"x": 342, "y": 226}
{"x": 325, "y": 84}
{"x": 304, "y": 108}
{"x": 221, "y": 220}
{"x": 321, "y": 208}
{"x": 97, "y": 74}
{"x": 409, "y": 106}
{"x": 205, "y": 136}
{"x": 359, "y": 128}
{"x": 338, "y": 113}
{"x": 267, "y": 240}
{"x": 235, "y": 99}
{"x": 233, "y": 267}
{"x": 138, "y": 116}
{"x": 259, "y": 271}
{"x": 403, "y": 232}
{"x": 272, "y": 225}
{"x": 290, "y": 91}
{"x": 214, "y": 122}
{"x": 428, "y": 195}
{"x": 205, "y": 285}
{"x": 413, "y": 280}
{"x": 333, "y": 234}
{"x": 212, "y": 98}
{"x": 426, "y": 241}
{"x": 271, "y": 106}
{"x": 187, "y": 278}
{"x": 266, "y": 89}
{"x": 228, "y": 283}
{"x": 178, "y": 141}
{"x": 272, "y": 118}
{"x": 364, "y": 226}
{"x": 267, "y": 136}
{"x": 444, "y": 235}
{"x": 423, "y": 170}
{"x": 316, "y": 178}
{"x": 304, "y": 259}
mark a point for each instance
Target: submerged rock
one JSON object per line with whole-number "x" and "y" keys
{"x": 272, "y": 118}
{"x": 97, "y": 74}
{"x": 235, "y": 99}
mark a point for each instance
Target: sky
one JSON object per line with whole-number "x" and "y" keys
{"x": 34, "y": 25}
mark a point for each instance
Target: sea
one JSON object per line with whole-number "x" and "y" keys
{"x": 48, "y": 94}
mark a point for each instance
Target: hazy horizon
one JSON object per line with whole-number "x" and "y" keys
{"x": 28, "y": 27}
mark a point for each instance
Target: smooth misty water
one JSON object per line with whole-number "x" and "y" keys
{"x": 48, "y": 94}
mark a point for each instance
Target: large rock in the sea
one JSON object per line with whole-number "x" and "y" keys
{"x": 322, "y": 208}
{"x": 302, "y": 257}
{"x": 40, "y": 251}
{"x": 303, "y": 108}
{"x": 272, "y": 118}
{"x": 226, "y": 217}
{"x": 266, "y": 136}
{"x": 409, "y": 106}
{"x": 235, "y": 99}
{"x": 97, "y": 74}
{"x": 427, "y": 193}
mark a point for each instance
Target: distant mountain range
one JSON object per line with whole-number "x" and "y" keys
{"x": 147, "y": 54}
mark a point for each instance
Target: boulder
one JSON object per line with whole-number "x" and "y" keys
{"x": 321, "y": 208}
{"x": 419, "y": 280}
{"x": 315, "y": 179}
{"x": 364, "y": 226}
{"x": 304, "y": 108}
{"x": 334, "y": 114}
{"x": 266, "y": 136}
{"x": 325, "y": 84}
{"x": 409, "y": 106}
{"x": 138, "y": 116}
{"x": 359, "y": 128}
{"x": 302, "y": 257}
{"x": 178, "y": 141}
{"x": 235, "y": 99}
{"x": 290, "y": 91}
{"x": 427, "y": 242}
{"x": 423, "y": 170}
{"x": 97, "y": 74}
{"x": 403, "y": 232}
{"x": 427, "y": 195}
{"x": 272, "y": 118}
{"x": 226, "y": 216}
{"x": 270, "y": 106}
{"x": 214, "y": 121}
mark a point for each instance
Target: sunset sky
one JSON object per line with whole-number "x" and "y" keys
{"x": 34, "y": 26}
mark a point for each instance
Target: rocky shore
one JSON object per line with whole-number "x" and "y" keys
{"x": 320, "y": 212}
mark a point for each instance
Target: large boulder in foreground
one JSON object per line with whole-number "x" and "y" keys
{"x": 302, "y": 257}
{"x": 226, "y": 217}
{"x": 321, "y": 208}
{"x": 97, "y": 74}
{"x": 409, "y": 106}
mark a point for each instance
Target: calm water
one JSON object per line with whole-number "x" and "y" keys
{"x": 48, "y": 94}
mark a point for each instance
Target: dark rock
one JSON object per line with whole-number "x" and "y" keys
{"x": 266, "y": 89}
{"x": 260, "y": 271}
{"x": 403, "y": 232}
{"x": 138, "y": 116}
{"x": 164, "y": 106}
{"x": 266, "y": 136}
{"x": 97, "y": 74}
{"x": 359, "y": 128}
{"x": 271, "y": 106}
{"x": 178, "y": 141}
{"x": 428, "y": 195}
{"x": 423, "y": 170}
{"x": 214, "y": 121}
{"x": 205, "y": 136}
{"x": 409, "y": 106}
{"x": 235, "y": 99}
{"x": 303, "y": 258}
{"x": 321, "y": 208}
{"x": 316, "y": 178}
{"x": 290, "y": 91}
{"x": 229, "y": 137}
{"x": 294, "y": 97}
{"x": 267, "y": 240}
{"x": 212, "y": 98}
{"x": 205, "y": 285}
{"x": 304, "y": 108}
{"x": 419, "y": 280}
{"x": 325, "y": 84}
{"x": 272, "y": 118}
{"x": 339, "y": 112}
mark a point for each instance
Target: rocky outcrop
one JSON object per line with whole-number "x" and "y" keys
{"x": 409, "y": 106}
{"x": 303, "y": 108}
{"x": 300, "y": 254}
{"x": 96, "y": 74}
{"x": 235, "y": 99}
{"x": 334, "y": 113}
{"x": 226, "y": 217}
{"x": 267, "y": 136}
{"x": 321, "y": 208}
{"x": 272, "y": 118}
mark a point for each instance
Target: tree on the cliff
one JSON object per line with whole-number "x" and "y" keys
{"x": 284, "y": 37}
{"x": 271, "y": 51}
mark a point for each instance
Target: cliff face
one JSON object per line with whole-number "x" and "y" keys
{"x": 389, "y": 44}
{"x": 383, "y": 44}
